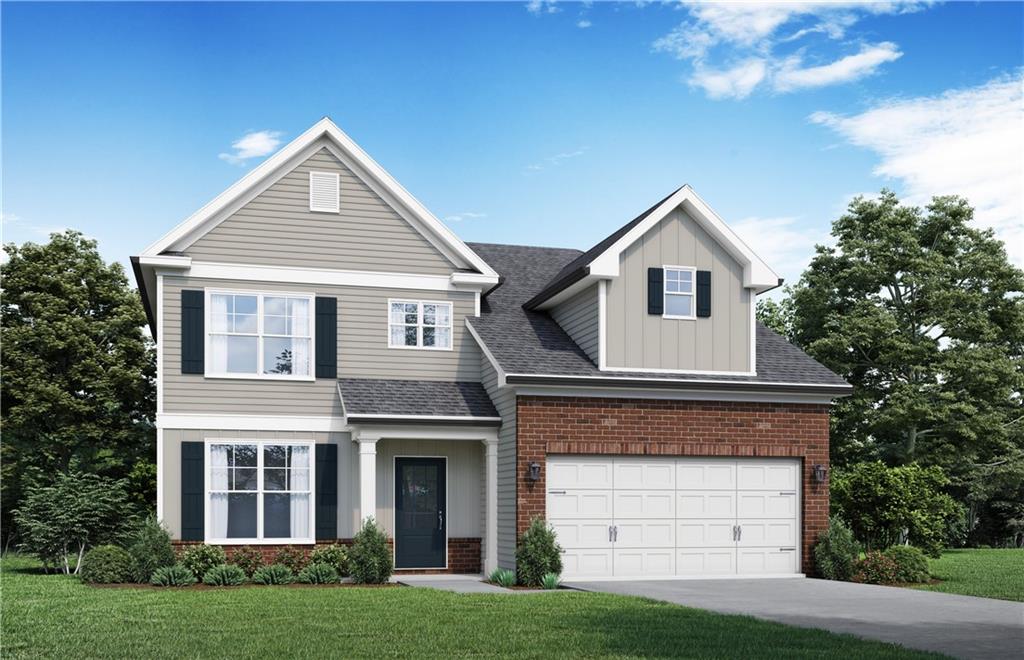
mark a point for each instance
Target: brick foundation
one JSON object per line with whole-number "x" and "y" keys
{"x": 581, "y": 425}
{"x": 463, "y": 554}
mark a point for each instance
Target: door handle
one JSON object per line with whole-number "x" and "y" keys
{"x": 787, "y": 492}
{"x": 616, "y": 533}
{"x": 787, "y": 549}
{"x": 739, "y": 532}
{"x": 735, "y": 536}
{"x": 440, "y": 520}
{"x": 610, "y": 533}
{"x": 556, "y": 492}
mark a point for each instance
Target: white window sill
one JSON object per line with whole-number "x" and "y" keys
{"x": 260, "y": 541}
{"x": 300, "y": 379}
{"x": 421, "y": 348}
{"x": 679, "y": 318}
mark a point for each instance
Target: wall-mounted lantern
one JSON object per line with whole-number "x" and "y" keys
{"x": 820, "y": 473}
{"x": 533, "y": 472}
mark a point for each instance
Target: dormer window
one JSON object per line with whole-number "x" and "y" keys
{"x": 679, "y": 288}
{"x": 324, "y": 192}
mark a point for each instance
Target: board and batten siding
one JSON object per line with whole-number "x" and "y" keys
{"x": 504, "y": 400}
{"x": 362, "y": 352}
{"x": 276, "y": 228}
{"x": 638, "y": 340}
{"x": 579, "y": 317}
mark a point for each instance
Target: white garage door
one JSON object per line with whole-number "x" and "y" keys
{"x": 664, "y": 517}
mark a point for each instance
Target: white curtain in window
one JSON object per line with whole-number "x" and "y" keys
{"x": 299, "y": 325}
{"x": 300, "y": 501}
{"x": 219, "y": 481}
{"x": 300, "y": 516}
{"x": 219, "y": 343}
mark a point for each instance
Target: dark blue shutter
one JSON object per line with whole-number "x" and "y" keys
{"x": 326, "y": 337}
{"x": 193, "y": 491}
{"x": 704, "y": 293}
{"x": 655, "y": 291}
{"x": 192, "y": 335}
{"x": 326, "y": 493}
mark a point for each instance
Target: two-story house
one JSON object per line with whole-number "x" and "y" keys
{"x": 329, "y": 351}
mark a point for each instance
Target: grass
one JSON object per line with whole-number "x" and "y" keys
{"x": 997, "y": 573}
{"x": 58, "y": 616}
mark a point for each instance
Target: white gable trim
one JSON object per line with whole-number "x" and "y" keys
{"x": 323, "y": 134}
{"x": 756, "y": 273}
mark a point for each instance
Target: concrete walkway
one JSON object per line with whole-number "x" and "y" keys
{"x": 960, "y": 626}
{"x": 460, "y": 584}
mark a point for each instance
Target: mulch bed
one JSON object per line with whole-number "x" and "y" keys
{"x": 203, "y": 587}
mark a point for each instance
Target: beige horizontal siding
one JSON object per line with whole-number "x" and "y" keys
{"x": 277, "y": 228}
{"x": 578, "y": 316}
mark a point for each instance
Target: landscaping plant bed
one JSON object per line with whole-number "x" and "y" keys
{"x": 199, "y": 586}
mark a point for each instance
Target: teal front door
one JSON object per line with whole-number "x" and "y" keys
{"x": 421, "y": 527}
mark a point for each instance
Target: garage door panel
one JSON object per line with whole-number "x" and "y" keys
{"x": 700, "y": 474}
{"x": 766, "y": 504}
{"x": 586, "y": 563}
{"x": 644, "y": 563}
{"x": 764, "y": 475}
{"x": 579, "y": 472}
{"x": 644, "y": 474}
{"x": 753, "y": 561}
{"x": 579, "y": 504}
{"x": 767, "y": 532}
{"x": 583, "y": 533}
{"x": 704, "y": 533}
{"x": 708, "y": 561}
{"x": 644, "y": 504}
{"x": 707, "y": 504}
{"x": 645, "y": 533}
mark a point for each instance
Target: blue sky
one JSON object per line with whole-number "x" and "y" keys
{"x": 538, "y": 123}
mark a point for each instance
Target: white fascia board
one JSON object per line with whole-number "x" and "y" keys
{"x": 166, "y": 261}
{"x": 571, "y": 290}
{"x": 473, "y": 280}
{"x": 375, "y": 432}
{"x": 357, "y": 418}
{"x": 232, "y": 422}
{"x": 487, "y": 353}
{"x": 325, "y": 128}
{"x": 671, "y": 395}
{"x": 757, "y": 274}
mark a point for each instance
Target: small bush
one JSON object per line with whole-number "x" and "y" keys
{"x": 318, "y": 574}
{"x": 107, "y": 564}
{"x": 550, "y": 581}
{"x": 538, "y": 553}
{"x": 173, "y": 576}
{"x": 874, "y": 568}
{"x": 503, "y": 577}
{"x": 332, "y": 555}
{"x": 911, "y": 564}
{"x": 150, "y": 548}
{"x": 836, "y": 551}
{"x": 292, "y": 557}
{"x": 224, "y": 575}
{"x": 247, "y": 558}
{"x": 369, "y": 558}
{"x": 273, "y": 574}
{"x": 201, "y": 558}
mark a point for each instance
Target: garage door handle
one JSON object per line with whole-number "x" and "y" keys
{"x": 787, "y": 549}
{"x": 556, "y": 492}
{"x": 787, "y": 492}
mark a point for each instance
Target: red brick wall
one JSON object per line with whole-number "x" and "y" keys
{"x": 581, "y": 425}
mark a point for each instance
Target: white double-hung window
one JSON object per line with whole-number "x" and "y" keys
{"x": 259, "y": 335}
{"x": 679, "y": 303}
{"x": 419, "y": 324}
{"x": 259, "y": 491}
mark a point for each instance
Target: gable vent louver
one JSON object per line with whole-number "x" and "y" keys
{"x": 324, "y": 192}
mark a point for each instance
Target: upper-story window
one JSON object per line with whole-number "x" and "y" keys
{"x": 419, "y": 324}
{"x": 259, "y": 335}
{"x": 679, "y": 303}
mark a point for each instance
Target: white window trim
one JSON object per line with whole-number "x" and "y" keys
{"x": 259, "y": 540}
{"x": 337, "y": 190}
{"x": 419, "y": 324}
{"x": 259, "y": 375}
{"x": 665, "y": 293}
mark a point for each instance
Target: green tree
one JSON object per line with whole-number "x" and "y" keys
{"x": 776, "y": 315}
{"x": 78, "y": 368}
{"x": 924, "y": 315}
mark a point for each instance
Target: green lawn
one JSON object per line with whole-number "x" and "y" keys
{"x": 988, "y": 573}
{"x": 57, "y": 616}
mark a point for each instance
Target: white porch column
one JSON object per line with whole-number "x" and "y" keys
{"x": 491, "y": 516}
{"x": 367, "y": 476}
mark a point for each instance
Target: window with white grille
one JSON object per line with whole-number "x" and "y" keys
{"x": 324, "y": 192}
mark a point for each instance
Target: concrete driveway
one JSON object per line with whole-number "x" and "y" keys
{"x": 960, "y": 626}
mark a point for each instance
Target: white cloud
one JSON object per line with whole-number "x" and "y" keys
{"x": 781, "y": 242}
{"x": 583, "y": 24}
{"x": 14, "y": 223}
{"x": 749, "y": 31}
{"x": 966, "y": 142}
{"x": 556, "y": 160}
{"x": 542, "y": 7}
{"x": 465, "y": 215}
{"x": 254, "y": 144}
{"x": 791, "y": 76}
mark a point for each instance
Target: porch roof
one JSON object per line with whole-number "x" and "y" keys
{"x": 394, "y": 401}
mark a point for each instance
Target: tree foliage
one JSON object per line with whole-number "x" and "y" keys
{"x": 78, "y": 387}
{"x": 924, "y": 315}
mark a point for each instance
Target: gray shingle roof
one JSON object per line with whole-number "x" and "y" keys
{"x": 369, "y": 397}
{"x": 530, "y": 342}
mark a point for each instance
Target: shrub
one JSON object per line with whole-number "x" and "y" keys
{"x": 318, "y": 574}
{"x": 107, "y": 564}
{"x": 836, "y": 551}
{"x": 332, "y": 555}
{"x": 874, "y": 568}
{"x": 911, "y": 564}
{"x": 550, "y": 581}
{"x": 292, "y": 557}
{"x": 201, "y": 558}
{"x": 273, "y": 574}
{"x": 247, "y": 558}
{"x": 173, "y": 576}
{"x": 150, "y": 548}
{"x": 224, "y": 575}
{"x": 369, "y": 558}
{"x": 538, "y": 553}
{"x": 503, "y": 577}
